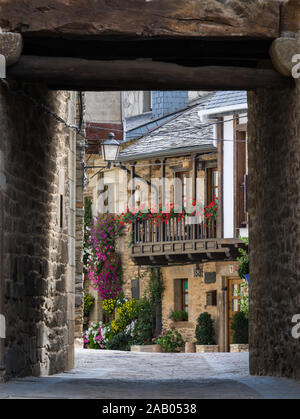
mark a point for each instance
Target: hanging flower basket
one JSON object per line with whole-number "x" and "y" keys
{"x": 157, "y": 214}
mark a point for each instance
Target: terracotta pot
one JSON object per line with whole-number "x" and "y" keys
{"x": 156, "y": 348}
{"x": 190, "y": 347}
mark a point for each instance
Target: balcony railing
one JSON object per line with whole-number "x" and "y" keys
{"x": 174, "y": 230}
{"x": 187, "y": 240}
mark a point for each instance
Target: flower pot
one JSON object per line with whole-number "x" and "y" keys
{"x": 156, "y": 349}
{"x": 207, "y": 348}
{"x": 190, "y": 347}
{"x": 146, "y": 348}
{"x": 238, "y": 347}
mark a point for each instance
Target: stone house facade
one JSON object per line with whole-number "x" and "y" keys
{"x": 186, "y": 148}
{"x": 129, "y": 115}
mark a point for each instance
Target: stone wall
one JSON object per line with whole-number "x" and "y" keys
{"x": 130, "y": 270}
{"x": 79, "y": 276}
{"x": 2, "y": 320}
{"x": 38, "y": 265}
{"x": 197, "y": 304}
{"x": 274, "y": 191}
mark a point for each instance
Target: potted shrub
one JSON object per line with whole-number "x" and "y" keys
{"x": 179, "y": 316}
{"x": 143, "y": 330}
{"x": 205, "y": 334}
{"x": 170, "y": 341}
{"x": 240, "y": 329}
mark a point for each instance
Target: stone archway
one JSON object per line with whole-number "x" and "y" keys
{"x": 57, "y": 50}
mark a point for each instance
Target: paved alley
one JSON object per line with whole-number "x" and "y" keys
{"x": 125, "y": 375}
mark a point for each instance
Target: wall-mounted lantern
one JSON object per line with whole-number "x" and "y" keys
{"x": 110, "y": 149}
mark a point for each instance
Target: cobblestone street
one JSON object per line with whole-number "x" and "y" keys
{"x": 125, "y": 375}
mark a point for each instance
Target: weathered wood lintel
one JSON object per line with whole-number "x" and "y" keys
{"x": 142, "y": 19}
{"x": 79, "y": 74}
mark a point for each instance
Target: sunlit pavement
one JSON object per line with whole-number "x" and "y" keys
{"x": 127, "y": 375}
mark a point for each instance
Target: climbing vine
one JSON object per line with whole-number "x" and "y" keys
{"x": 87, "y": 225}
{"x": 104, "y": 263}
{"x": 156, "y": 286}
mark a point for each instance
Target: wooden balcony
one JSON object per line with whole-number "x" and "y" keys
{"x": 179, "y": 242}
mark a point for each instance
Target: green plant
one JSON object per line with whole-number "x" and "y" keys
{"x": 88, "y": 304}
{"x": 144, "y": 325}
{"x": 95, "y": 335}
{"x": 244, "y": 300}
{"x": 126, "y": 314}
{"x": 205, "y": 330}
{"x": 240, "y": 328}
{"x": 179, "y": 316}
{"x": 87, "y": 226}
{"x": 170, "y": 341}
{"x": 243, "y": 259}
{"x": 104, "y": 263}
{"x": 155, "y": 287}
{"x": 159, "y": 214}
{"x": 119, "y": 342}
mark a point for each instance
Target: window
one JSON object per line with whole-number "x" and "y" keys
{"x": 240, "y": 170}
{"x": 212, "y": 192}
{"x": 182, "y": 188}
{"x": 147, "y": 105}
{"x": 212, "y": 184}
{"x": 181, "y": 295}
{"x": 211, "y": 298}
{"x": 185, "y": 295}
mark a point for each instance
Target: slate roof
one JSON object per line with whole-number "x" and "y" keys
{"x": 184, "y": 131}
{"x": 227, "y": 98}
{"x": 138, "y": 126}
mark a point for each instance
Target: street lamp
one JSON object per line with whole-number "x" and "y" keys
{"x": 110, "y": 149}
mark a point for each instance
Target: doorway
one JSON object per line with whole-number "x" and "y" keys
{"x": 233, "y": 304}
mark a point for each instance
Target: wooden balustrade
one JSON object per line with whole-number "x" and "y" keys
{"x": 186, "y": 229}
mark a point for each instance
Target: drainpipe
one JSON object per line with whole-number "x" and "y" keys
{"x": 123, "y": 116}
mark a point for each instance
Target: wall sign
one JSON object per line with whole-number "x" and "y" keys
{"x": 210, "y": 277}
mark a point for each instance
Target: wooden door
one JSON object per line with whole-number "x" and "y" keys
{"x": 234, "y": 289}
{"x": 212, "y": 193}
{"x": 240, "y": 170}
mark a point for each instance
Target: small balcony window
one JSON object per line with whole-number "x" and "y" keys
{"x": 181, "y": 295}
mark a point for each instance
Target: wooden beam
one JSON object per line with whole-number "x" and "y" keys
{"x": 192, "y": 51}
{"x": 142, "y": 19}
{"x": 78, "y": 74}
{"x": 290, "y": 17}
